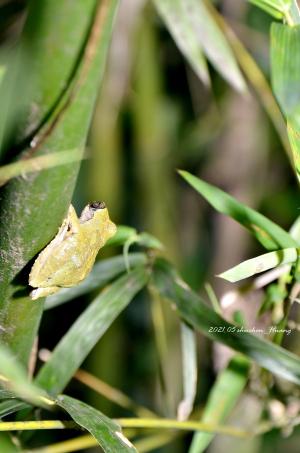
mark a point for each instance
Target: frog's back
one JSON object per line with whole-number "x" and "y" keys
{"x": 66, "y": 264}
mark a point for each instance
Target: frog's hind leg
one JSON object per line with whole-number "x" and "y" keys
{"x": 43, "y": 292}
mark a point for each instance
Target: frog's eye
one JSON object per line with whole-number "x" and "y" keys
{"x": 95, "y": 205}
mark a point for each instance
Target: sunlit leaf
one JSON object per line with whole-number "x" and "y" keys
{"x": 259, "y": 264}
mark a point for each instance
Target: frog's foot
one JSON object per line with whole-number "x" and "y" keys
{"x": 43, "y": 292}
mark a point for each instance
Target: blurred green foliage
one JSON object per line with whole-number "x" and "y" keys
{"x": 159, "y": 110}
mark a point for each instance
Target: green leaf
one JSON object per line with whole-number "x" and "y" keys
{"x": 222, "y": 398}
{"x": 195, "y": 30}
{"x": 102, "y": 273}
{"x": 123, "y": 234}
{"x": 9, "y": 407}
{"x": 31, "y": 210}
{"x": 174, "y": 15}
{"x": 26, "y": 166}
{"x": 107, "y": 432}
{"x": 280, "y": 9}
{"x": 295, "y": 229}
{"x": 269, "y": 7}
{"x": 259, "y": 264}
{"x": 285, "y": 65}
{"x": 149, "y": 241}
{"x": 189, "y": 369}
{"x": 88, "y": 329}
{"x": 129, "y": 235}
{"x": 195, "y": 312}
{"x": 2, "y": 72}
{"x": 270, "y": 235}
{"x": 7, "y": 445}
{"x": 13, "y": 377}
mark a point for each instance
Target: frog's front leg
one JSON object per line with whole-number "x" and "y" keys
{"x": 43, "y": 292}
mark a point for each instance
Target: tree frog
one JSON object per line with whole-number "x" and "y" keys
{"x": 70, "y": 256}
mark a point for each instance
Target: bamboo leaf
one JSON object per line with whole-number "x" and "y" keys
{"x": 189, "y": 368}
{"x": 129, "y": 235}
{"x": 270, "y": 235}
{"x": 31, "y": 210}
{"x": 255, "y": 77}
{"x": 13, "y": 377}
{"x": 222, "y": 399}
{"x": 107, "y": 432}
{"x": 259, "y": 264}
{"x": 123, "y": 234}
{"x": 7, "y": 444}
{"x": 102, "y": 273}
{"x": 9, "y": 407}
{"x": 88, "y": 329}
{"x": 271, "y": 7}
{"x": 280, "y": 9}
{"x": 35, "y": 164}
{"x": 285, "y": 65}
{"x": 195, "y": 312}
{"x": 194, "y": 30}
{"x": 173, "y": 13}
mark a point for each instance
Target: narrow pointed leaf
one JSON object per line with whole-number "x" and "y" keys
{"x": 281, "y": 9}
{"x": 285, "y": 65}
{"x": 102, "y": 273}
{"x": 189, "y": 369}
{"x": 31, "y": 210}
{"x": 123, "y": 234}
{"x": 13, "y": 377}
{"x": 267, "y": 8}
{"x": 222, "y": 398}
{"x": 259, "y": 264}
{"x": 9, "y": 407}
{"x": 285, "y": 61}
{"x": 24, "y": 167}
{"x": 214, "y": 43}
{"x": 195, "y": 30}
{"x": 77, "y": 343}
{"x": 176, "y": 19}
{"x": 195, "y": 312}
{"x": 270, "y": 235}
{"x": 107, "y": 432}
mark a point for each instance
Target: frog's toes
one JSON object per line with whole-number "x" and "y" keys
{"x": 43, "y": 292}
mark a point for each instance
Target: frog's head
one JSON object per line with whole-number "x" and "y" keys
{"x": 97, "y": 216}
